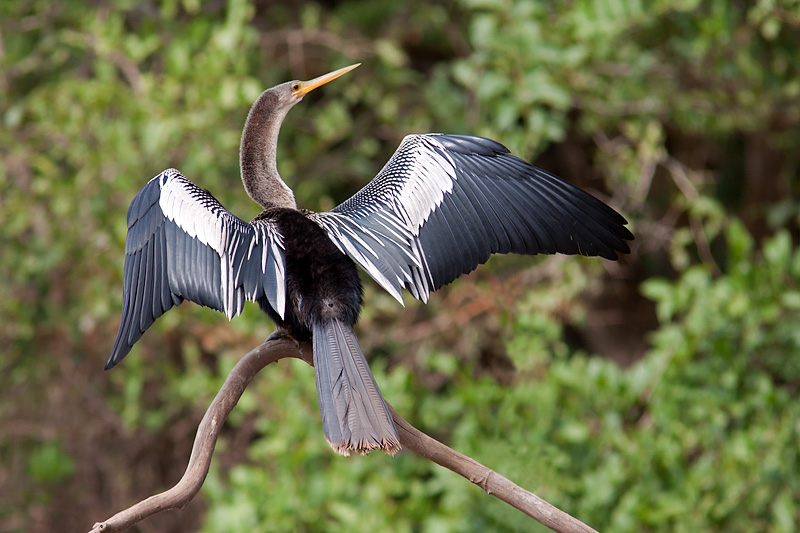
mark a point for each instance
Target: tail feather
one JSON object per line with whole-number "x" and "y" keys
{"x": 354, "y": 414}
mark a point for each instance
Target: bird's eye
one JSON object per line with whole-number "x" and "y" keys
{"x": 296, "y": 86}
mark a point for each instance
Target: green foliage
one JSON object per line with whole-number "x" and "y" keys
{"x": 685, "y": 112}
{"x": 726, "y": 355}
{"x": 532, "y": 64}
{"x": 50, "y": 464}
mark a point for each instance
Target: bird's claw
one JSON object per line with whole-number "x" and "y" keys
{"x": 282, "y": 333}
{"x": 279, "y": 333}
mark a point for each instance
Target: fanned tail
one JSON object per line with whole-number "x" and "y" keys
{"x": 354, "y": 414}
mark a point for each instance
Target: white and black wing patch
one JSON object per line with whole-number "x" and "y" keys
{"x": 182, "y": 244}
{"x": 444, "y": 203}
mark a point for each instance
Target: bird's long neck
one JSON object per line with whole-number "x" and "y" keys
{"x": 257, "y": 155}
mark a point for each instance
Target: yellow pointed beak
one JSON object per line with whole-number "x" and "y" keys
{"x": 305, "y": 87}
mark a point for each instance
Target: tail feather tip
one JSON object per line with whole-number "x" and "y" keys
{"x": 389, "y": 445}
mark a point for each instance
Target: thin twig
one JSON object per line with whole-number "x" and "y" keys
{"x": 182, "y": 493}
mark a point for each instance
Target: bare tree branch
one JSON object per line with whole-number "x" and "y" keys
{"x": 182, "y": 493}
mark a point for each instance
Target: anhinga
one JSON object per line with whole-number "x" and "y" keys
{"x": 439, "y": 208}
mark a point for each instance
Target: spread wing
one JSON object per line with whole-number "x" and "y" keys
{"x": 182, "y": 244}
{"x": 444, "y": 203}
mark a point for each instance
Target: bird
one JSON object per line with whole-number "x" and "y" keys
{"x": 441, "y": 205}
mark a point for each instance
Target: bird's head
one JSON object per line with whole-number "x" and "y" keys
{"x": 291, "y": 92}
{"x": 257, "y": 152}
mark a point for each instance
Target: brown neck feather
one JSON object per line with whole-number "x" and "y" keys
{"x": 257, "y": 155}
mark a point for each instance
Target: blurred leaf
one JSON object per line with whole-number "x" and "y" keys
{"x": 50, "y": 464}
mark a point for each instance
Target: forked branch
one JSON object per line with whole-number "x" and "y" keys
{"x": 410, "y": 437}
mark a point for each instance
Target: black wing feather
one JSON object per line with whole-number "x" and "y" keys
{"x": 182, "y": 244}
{"x": 444, "y": 203}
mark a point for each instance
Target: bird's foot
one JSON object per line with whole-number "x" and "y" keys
{"x": 281, "y": 333}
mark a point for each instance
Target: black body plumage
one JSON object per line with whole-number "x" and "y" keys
{"x": 321, "y": 282}
{"x": 441, "y": 206}
{"x": 323, "y": 303}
